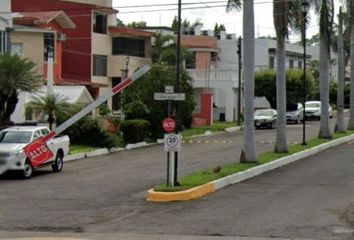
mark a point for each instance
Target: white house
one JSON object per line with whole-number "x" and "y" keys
{"x": 5, "y": 25}
{"x": 265, "y": 56}
{"x": 73, "y": 94}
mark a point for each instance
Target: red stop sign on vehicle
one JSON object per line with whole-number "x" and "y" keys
{"x": 38, "y": 152}
{"x": 169, "y": 124}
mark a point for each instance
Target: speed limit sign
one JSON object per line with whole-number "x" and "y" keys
{"x": 172, "y": 142}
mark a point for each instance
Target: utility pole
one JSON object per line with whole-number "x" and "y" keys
{"x": 178, "y": 65}
{"x": 124, "y": 74}
{"x": 239, "y": 52}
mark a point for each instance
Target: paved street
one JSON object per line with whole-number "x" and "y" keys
{"x": 310, "y": 199}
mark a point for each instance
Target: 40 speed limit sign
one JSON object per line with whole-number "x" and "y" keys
{"x": 172, "y": 142}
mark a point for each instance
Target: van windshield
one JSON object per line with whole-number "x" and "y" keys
{"x": 291, "y": 107}
{"x": 312, "y": 105}
{"x": 263, "y": 113}
{"x": 15, "y": 137}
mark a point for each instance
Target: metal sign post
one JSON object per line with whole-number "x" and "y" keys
{"x": 170, "y": 139}
{"x": 172, "y": 145}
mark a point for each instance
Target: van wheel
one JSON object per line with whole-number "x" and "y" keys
{"x": 57, "y": 166}
{"x": 27, "y": 171}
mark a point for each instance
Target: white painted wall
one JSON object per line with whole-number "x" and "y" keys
{"x": 5, "y": 14}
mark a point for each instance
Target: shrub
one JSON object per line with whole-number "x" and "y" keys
{"x": 136, "y": 110}
{"x": 135, "y": 130}
{"x": 88, "y": 131}
{"x": 104, "y": 110}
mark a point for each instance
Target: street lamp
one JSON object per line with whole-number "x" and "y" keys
{"x": 304, "y": 9}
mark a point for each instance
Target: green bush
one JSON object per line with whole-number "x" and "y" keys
{"x": 265, "y": 85}
{"x": 104, "y": 110}
{"x": 135, "y": 130}
{"x": 136, "y": 110}
{"x": 88, "y": 131}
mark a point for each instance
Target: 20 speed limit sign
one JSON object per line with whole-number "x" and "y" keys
{"x": 172, "y": 142}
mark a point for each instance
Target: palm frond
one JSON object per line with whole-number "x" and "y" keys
{"x": 233, "y": 5}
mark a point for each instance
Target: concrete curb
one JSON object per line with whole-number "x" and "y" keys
{"x": 233, "y": 129}
{"x": 103, "y": 151}
{"x": 189, "y": 194}
{"x": 244, "y": 175}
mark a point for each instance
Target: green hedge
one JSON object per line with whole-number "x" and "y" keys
{"x": 135, "y": 130}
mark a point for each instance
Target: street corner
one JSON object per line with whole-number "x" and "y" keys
{"x": 185, "y": 195}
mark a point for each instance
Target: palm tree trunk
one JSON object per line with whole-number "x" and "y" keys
{"x": 340, "y": 125}
{"x": 281, "y": 144}
{"x": 351, "y": 116}
{"x": 249, "y": 153}
{"x": 324, "y": 84}
{"x": 11, "y": 102}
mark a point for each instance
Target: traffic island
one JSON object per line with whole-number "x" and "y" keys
{"x": 189, "y": 194}
{"x": 242, "y": 171}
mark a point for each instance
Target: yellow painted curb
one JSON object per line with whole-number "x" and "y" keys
{"x": 185, "y": 195}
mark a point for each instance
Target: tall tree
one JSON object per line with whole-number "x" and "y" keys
{"x": 16, "y": 74}
{"x": 340, "y": 126}
{"x": 325, "y": 8}
{"x": 350, "y": 9}
{"x": 248, "y": 153}
{"x": 281, "y": 22}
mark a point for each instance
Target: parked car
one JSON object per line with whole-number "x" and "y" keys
{"x": 265, "y": 118}
{"x": 294, "y": 113}
{"x": 14, "y": 139}
{"x": 313, "y": 110}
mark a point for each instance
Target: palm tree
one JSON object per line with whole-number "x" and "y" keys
{"x": 51, "y": 104}
{"x": 248, "y": 153}
{"x": 325, "y": 8}
{"x": 16, "y": 74}
{"x": 350, "y": 9}
{"x": 281, "y": 22}
{"x": 340, "y": 126}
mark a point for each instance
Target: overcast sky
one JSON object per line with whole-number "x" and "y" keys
{"x": 208, "y": 14}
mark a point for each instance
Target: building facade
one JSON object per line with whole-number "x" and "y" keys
{"x": 5, "y": 26}
{"x": 96, "y": 54}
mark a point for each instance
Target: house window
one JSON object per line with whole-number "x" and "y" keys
{"x": 49, "y": 41}
{"x": 100, "y": 23}
{"x": 17, "y": 48}
{"x": 128, "y": 46}
{"x": 291, "y": 64}
{"x": 28, "y": 114}
{"x": 116, "y": 99}
{"x": 3, "y": 41}
{"x": 299, "y": 65}
{"x": 190, "y": 60}
{"x": 213, "y": 56}
{"x": 271, "y": 62}
{"x": 99, "y": 65}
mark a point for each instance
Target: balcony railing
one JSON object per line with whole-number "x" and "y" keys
{"x": 214, "y": 78}
{"x": 212, "y": 75}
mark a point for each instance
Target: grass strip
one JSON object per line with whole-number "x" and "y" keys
{"x": 74, "y": 149}
{"x": 202, "y": 177}
{"x": 215, "y": 127}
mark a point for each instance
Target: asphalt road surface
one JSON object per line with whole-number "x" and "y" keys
{"x": 310, "y": 199}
